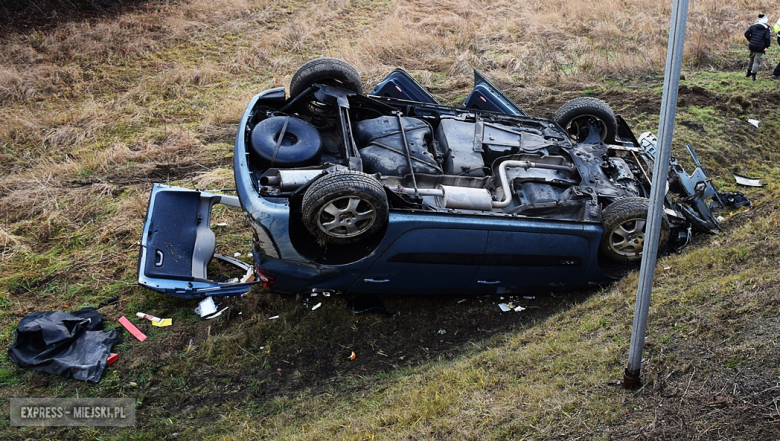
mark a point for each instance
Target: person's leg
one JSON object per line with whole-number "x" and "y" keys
{"x": 750, "y": 63}
{"x": 757, "y": 62}
{"x": 776, "y": 73}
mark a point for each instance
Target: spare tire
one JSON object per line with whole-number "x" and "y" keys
{"x": 300, "y": 143}
{"x": 329, "y": 71}
{"x": 624, "y": 229}
{"x": 575, "y": 115}
{"x": 345, "y": 206}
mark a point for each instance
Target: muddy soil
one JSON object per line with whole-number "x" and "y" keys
{"x": 26, "y": 16}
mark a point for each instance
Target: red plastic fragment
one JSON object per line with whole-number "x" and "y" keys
{"x": 132, "y": 329}
{"x": 112, "y": 357}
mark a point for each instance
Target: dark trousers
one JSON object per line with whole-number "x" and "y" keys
{"x": 755, "y": 61}
{"x": 776, "y": 73}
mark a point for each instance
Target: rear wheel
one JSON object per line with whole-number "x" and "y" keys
{"x": 577, "y": 115}
{"x": 329, "y": 71}
{"x": 345, "y": 207}
{"x": 625, "y": 221}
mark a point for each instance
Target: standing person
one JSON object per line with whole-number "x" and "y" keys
{"x": 760, "y": 38}
{"x": 776, "y": 73}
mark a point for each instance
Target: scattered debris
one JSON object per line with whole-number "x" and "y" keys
{"x": 313, "y": 308}
{"x": 217, "y": 314}
{"x": 462, "y": 300}
{"x": 353, "y": 356}
{"x": 529, "y": 297}
{"x": 753, "y": 122}
{"x": 519, "y": 308}
{"x": 236, "y": 254}
{"x": 441, "y": 332}
{"x": 363, "y": 304}
{"x": 666, "y": 267}
{"x": 728, "y": 199}
{"x": 72, "y": 345}
{"x": 112, "y": 357}
{"x": 504, "y": 307}
{"x": 221, "y": 224}
{"x": 132, "y": 329}
{"x": 748, "y": 182}
{"x": 273, "y": 318}
{"x": 156, "y": 321}
{"x": 109, "y": 301}
{"x": 206, "y": 307}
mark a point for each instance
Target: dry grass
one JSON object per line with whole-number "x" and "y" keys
{"x": 94, "y": 112}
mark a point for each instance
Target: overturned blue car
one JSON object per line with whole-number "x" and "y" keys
{"x": 393, "y": 192}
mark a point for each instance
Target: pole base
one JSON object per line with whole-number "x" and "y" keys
{"x": 632, "y": 379}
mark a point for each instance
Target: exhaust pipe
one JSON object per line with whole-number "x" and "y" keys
{"x": 468, "y": 198}
{"x": 526, "y": 165}
{"x": 447, "y": 196}
{"x": 288, "y": 180}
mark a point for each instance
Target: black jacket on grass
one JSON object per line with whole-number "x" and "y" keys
{"x": 759, "y": 36}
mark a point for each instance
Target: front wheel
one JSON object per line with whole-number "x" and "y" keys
{"x": 624, "y": 229}
{"x": 577, "y": 116}
{"x": 344, "y": 207}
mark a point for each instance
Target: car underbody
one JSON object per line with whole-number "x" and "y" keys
{"x": 337, "y": 184}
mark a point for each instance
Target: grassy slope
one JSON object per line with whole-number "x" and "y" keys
{"x": 93, "y": 114}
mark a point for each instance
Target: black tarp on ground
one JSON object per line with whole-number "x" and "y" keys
{"x": 72, "y": 345}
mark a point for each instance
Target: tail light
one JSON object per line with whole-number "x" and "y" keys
{"x": 266, "y": 279}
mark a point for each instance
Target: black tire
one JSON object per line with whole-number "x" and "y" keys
{"x": 575, "y": 114}
{"x": 344, "y": 207}
{"x": 330, "y": 71}
{"x": 624, "y": 229}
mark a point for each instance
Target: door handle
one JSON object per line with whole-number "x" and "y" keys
{"x": 488, "y": 282}
{"x": 376, "y": 280}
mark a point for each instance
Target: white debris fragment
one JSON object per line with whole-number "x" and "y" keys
{"x": 441, "y": 332}
{"x": 721, "y": 218}
{"x": 249, "y": 254}
{"x": 326, "y": 294}
{"x": 219, "y": 313}
{"x": 519, "y": 308}
{"x": 462, "y": 300}
{"x": 504, "y": 307}
{"x": 753, "y": 122}
{"x": 206, "y": 307}
{"x": 314, "y": 308}
{"x": 222, "y": 224}
{"x": 529, "y": 297}
{"x": 236, "y": 254}
{"x": 273, "y": 318}
{"x": 749, "y": 182}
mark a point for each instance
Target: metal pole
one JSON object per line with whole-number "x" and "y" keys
{"x": 631, "y": 377}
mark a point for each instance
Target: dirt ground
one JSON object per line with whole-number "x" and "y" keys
{"x": 23, "y": 16}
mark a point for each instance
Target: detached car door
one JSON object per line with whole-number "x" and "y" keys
{"x": 426, "y": 261}
{"x": 178, "y": 244}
